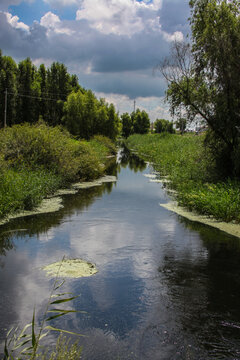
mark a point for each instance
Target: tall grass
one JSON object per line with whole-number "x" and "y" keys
{"x": 192, "y": 172}
{"x": 35, "y": 160}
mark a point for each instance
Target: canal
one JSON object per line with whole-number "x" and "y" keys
{"x": 166, "y": 288}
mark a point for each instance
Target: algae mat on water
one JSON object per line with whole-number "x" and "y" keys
{"x": 230, "y": 228}
{"x": 72, "y": 268}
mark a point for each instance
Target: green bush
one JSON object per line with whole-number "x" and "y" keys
{"x": 35, "y": 160}
{"x": 53, "y": 149}
{"x": 106, "y": 142}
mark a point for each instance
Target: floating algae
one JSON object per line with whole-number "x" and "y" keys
{"x": 66, "y": 192}
{"x": 98, "y": 182}
{"x": 230, "y": 228}
{"x": 55, "y": 202}
{"x": 157, "y": 181}
{"x": 150, "y": 176}
{"x": 47, "y": 206}
{"x": 71, "y": 268}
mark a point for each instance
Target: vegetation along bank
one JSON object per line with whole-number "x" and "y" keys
{"x": 36, "y": 160}
{"x": 192, "y": 172}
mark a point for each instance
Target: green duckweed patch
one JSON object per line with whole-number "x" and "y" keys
{"x": 229, "y": 228}
{"x": 71, "y": 268}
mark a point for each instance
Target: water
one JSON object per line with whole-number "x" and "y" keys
{"x": 167, "y": 288}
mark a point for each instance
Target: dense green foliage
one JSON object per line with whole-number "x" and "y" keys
{"x": 127, "y": 126}
{"x": 35, "y": 160}
{"x": 54, "y": 96}
{"x": 191, "y": 171}
{"x": 136, "y": 123}
{"x": 85, "y": 116}
{"x": 204, "y": 78}
{"x": 162, "y": 125}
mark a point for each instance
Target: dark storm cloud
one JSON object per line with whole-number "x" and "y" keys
{"x": 132, "y": 84}
{"x": 174, "y": 16}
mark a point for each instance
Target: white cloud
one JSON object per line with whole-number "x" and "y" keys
{"x": 120, "y": 17}
{"x": 176, "y": 36}
{"x": 113, "y": 47}
{"x": 49, "y": 20}
{"x": 153, "y": 105}
{"x": 53, "y": 23}
{"x": 15, "y": 23}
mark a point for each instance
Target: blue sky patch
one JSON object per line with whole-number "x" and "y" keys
{"x": 28, "y": 12}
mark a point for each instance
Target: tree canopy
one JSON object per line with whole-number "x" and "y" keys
{"x": 204, "y": 77}
{"x": 55, "y": 96}
{"x": 162, "y": 125}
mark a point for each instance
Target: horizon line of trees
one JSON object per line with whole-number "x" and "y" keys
{"x": 55, "y": 96}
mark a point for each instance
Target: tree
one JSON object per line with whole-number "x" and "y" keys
{"x": 127, "y": 125}
{"x": 86, "y": 116}
{"x": 141, "y": 122}
{"x": 181, "y": 125}
{"x": 8, "y": 80}
{"x": 58, "y": 89}
{"x": 205, "y": 78}
{"x": 162, "y": 125}
{"x": 28, "y": 92}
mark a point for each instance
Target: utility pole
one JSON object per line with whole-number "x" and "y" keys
{"x": 134, "y": 106}
{"x": 5, "y": 110}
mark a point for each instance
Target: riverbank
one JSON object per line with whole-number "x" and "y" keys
{"x": 37, "y": 160}
{"x": 191, "y": 173}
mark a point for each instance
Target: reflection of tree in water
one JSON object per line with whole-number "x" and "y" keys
{"x": 133, "y": 161}
{"x": 40, "y": 224}
{"x": 204, "y": 290}
{"x": 6, "y": 244}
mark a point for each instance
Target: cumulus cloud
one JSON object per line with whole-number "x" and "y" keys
{"x": 153, "y": 105}
{"x": 15, "y": 23}
{"x": 52, "y": 23}
{"x": 112, "y": 47}
{"x": 121, "y": 17}
{"x": 176, "y": 36}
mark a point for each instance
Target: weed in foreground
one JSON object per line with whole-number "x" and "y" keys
{"x": 25, "y": 344}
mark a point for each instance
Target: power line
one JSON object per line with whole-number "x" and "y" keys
{"x": 33, "y": 97}
{"x": 23, "y": 95}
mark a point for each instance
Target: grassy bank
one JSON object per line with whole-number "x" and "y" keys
{"x": 37, "y": 160}
{"x": 191, "y": 172}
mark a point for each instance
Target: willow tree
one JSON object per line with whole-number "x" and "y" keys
{"x": 204, "y": 77}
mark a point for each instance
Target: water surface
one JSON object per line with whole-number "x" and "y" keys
{"x": 167, "y": 288}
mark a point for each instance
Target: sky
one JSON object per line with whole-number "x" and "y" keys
{"x": 113, "y": 46}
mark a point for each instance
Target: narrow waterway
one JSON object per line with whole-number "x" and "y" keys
{"x": 167, "y": 288}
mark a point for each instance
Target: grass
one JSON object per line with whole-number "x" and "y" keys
{"x": 192, "y": 173}
{"x": 36, "y": 160}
